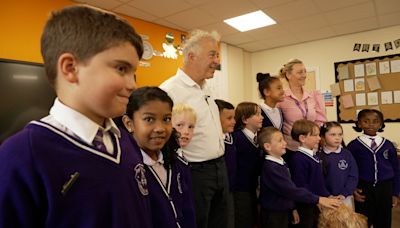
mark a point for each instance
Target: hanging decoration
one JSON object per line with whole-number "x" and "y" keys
{"x": 376, "y": 47}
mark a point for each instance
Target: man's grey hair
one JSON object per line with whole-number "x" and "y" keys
{"x": 195, "y": 36}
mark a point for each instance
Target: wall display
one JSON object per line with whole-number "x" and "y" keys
{"x": 372, "y": 83}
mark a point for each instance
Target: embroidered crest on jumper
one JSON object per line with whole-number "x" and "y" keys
{"x": 386, "y": 154}
{"x": 141, "y": 179}
{"x": 178, "y": 180}
{"x": 342, "y": 164}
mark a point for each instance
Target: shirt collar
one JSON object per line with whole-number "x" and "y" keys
{"x": 266, "y": 107}
{"x": 147, "y": 160}
{"x": 326, "y": 151}
{"x": 78, "y": 123}
{"x": 307, "y": 151}
{"x": 289, "y": 93}
{"x": 186, "y": 78}
{"x": 274, "y": 159}
{"x": 249, "y": 133}
{"x": 369, "y": 138}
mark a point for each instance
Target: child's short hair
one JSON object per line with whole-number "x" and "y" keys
{"x": 302, "y": 127}
{"x": 182, "y": 108}
{"x": 264, "y": 82}
{"x": 244, "y": 110}
{"x": 265, "y": 135}
{"x": 144, "y": 95}
{"x": 364, "y": 112}
{"x": 223, "y": 105}
{"x": 83, "y": 31}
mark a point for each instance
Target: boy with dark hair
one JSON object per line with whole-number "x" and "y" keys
{"x": 75, "y": 167}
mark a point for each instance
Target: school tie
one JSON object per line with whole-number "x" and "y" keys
{"x": 373, "y": 144}
{"x": 98, "y": 141}
{"x": 255, "y": 140}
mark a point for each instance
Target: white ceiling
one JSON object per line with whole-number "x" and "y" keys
{"x": 297, "y": 20}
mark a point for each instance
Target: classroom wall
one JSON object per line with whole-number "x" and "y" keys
{"x": 22, "y": 21}
{"x": 322, "y": 54}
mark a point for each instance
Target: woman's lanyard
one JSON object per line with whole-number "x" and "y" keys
{"x": 303, "y": 112}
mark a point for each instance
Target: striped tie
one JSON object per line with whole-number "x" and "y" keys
{"x": 98, "y": 141}
{"x": 373, "y": 144}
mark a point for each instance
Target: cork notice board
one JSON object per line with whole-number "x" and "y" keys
{"x": 372, "y": 83}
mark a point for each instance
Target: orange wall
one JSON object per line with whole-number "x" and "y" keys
{"x": 21, "y": 24}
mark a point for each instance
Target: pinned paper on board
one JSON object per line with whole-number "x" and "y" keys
{"x": 370, "y": 68}
{"x": 343, "y": 72}
{"x": 396, "y": 96}
{"x": 372, "y": 98}
{"x": 360, "y": 99}
{"x": 395, "y": 66}
{"x": 384, "y": 67}
{"x": 373, "y": 83}
{"x": 347, "y": 101}
{"x": 359, "y": 70}
{"x": 348, "y": 85}
{"x": 386, "y": 97}
{"x": 359, "y": 84}
{"x": 335, "y": 89}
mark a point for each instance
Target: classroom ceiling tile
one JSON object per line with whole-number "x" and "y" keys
{"x": 237, "y": 38}
{"x": 387, "y": 6}
{"x": 164, "y": 8}
{"x": 297, "y": 20}
{"x": 356, "y": 26}
{"x": 134, "y": 12}
{"x": 222, "y": 28}
{"x": 329, "y": 5}
{"x": 351, "y": 13}
{"x": 389, "y": 19}
{"x": 292, "y": 10}
{"x": 231, "y": 8}
{"x": 191, "y": 19}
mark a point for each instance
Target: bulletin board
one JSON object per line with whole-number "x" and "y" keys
{"x": 372, "y": 83}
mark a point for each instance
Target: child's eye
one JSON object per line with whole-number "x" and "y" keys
{"x": 148, "y": 119}
{"x": 167, "y": 119}
{"x": 122, "y": 69}
{"x": 191, "y": 126}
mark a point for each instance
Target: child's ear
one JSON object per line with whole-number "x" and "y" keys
{"x": 266, "y": 92}
{"x": 244, "y": 120}
{"x": 67, "y": 66}
{"x": 267, "y": 146}
{"x": 128, "y": 123}
{"x": 302, "y": 138}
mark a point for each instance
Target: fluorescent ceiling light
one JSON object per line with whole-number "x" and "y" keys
{"x": 250, "y": 21}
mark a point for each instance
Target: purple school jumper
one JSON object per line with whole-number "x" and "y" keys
{"x": 51, "y": 179}
{"x": 376, "y": 166}
{"x": 278, "y": 192}
{"x": 307, "y": 173}
{"x": 230, "y": 159}
{"x": 172, "y": 205}
{"x": 249, "y": 163}
{"x": 340, "y": 172}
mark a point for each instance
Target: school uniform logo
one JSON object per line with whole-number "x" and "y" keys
{"x": 178, "y": 180}
{"x": 386, "y": 154}
{"x": 141, "y": 179}
{"x": 343, "y": 164}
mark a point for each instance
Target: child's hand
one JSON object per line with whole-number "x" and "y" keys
{"x": 329, "y": 202}
{"x": 395, "y": 201}
{"x": 296, "y": 217}
{"x": 358, "y": 196}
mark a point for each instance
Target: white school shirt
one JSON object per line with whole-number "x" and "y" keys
{"x": 367, "y": 139}
{"x": 158, "y": 166}
{"x": 274, "y": 159}
{"x": 272, "y": 113}
{"x": 208, "y": 140}
{"x": 78, "y": 125}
